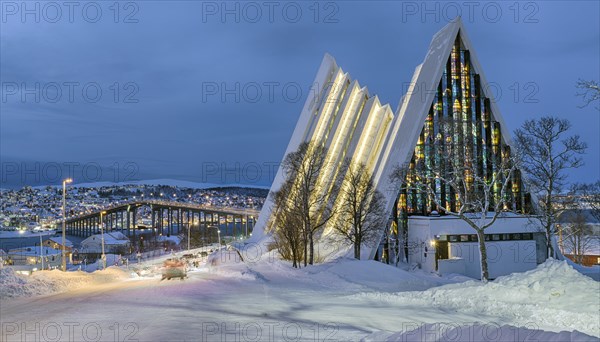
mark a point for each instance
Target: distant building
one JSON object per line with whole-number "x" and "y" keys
{"x": 585, "y": 247}
{"x": 31, "y": 256}
{"x": 114, "y": 243}
{"x": 56, "y": 243}
{"x": 591, "y": 252}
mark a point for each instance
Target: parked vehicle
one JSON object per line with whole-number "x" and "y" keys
{"x": 174, "y": 268}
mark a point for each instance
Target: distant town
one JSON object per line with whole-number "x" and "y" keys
{"x": 40, "y": 208}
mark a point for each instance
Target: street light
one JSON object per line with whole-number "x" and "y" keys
{"x": 41, "y": 251}
{"x": 103, "y": 257}
{"x": 218, "y": 233}
{"x": 64, "y": 229}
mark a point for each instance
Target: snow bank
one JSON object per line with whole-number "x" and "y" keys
{"x": 553, "y": 297}
{"x": 111, "y": 260}
{"x": 229, "y": 263}
{"x": 14, "y": 285}
{"x": 173, "y": 239}
{"x": 590, "y": 271}
{"x": 375, "y": 276}
{"x": 479, "y": 332}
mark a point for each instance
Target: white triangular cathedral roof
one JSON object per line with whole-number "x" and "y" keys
{"x": 402, "y": 133}
{"x": 415, "y": 104}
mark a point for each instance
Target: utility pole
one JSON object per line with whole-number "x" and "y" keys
{"x": 41, "y": 251}
{"x": 64, "y": 230}
{"x": 103, "y": 257}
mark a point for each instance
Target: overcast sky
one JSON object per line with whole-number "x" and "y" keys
{"x": 163, "y": 67}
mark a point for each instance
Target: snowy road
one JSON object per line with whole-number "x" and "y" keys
{"x": 269, "y": 301}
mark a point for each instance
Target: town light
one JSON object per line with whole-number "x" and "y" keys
{"x": 64, "y": 224}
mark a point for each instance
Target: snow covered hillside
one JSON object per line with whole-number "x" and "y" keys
{"x": 346, "y": 300}
{"x": 50, "y": 282}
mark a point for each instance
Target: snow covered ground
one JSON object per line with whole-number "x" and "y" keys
{"x": 13, "y": 285}
{"x": 267, "y": 300}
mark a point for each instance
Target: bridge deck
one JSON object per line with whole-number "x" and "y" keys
{"x": 169, "y": 204}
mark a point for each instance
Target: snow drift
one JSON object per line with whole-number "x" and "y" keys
{"x": 479, "y": 332}
{"x": 552, "y": 295}
{"x": 49, "y": 282}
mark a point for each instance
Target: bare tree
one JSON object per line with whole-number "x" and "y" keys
{"x": 480, "y": 199}
{"x": 589, "y": 91}
{"x": 546, "y": 156}
{"x": 577, "y": 236}
{"x": 362, "y": 208}
{"x": 304, "y": 169}
{"x": 589, "y": 197}
{"x": 584, "y": 207}
{"x": 288, "y": 233}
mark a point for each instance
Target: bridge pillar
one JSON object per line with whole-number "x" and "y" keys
{"x": 160, "y": 220}
{"x": 173, "y": 221}
{"x": 235, "y": 226}
{"x": 169, "y": 219}
{"x": 153, "y": 218}
{"x": 134, "y": 218}
{"x": 128, "y": 223}
{"x": 121, "y": 215}
{"x": 179, "y": 221}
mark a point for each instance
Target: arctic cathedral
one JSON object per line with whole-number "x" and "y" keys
{"x": 447, "y": 107}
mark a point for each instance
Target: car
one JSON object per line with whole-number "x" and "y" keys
{"x": 174, "y": 268}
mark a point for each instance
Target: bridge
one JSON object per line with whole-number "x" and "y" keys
{"x": 167, "y": 218}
